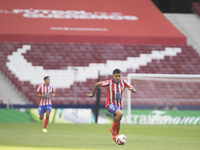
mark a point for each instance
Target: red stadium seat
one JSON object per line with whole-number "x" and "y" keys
{"x": 62, "y": 55}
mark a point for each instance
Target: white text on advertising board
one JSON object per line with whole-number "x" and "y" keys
{"x": 70, "y": 14}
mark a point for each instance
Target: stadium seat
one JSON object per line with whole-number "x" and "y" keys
{"x": 143, "y": 59}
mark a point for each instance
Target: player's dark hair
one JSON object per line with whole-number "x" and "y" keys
{"x": 46, "y": 77}
{"x": 118, "y": 71}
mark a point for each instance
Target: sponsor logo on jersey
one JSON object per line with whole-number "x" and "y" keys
{"x": 118, "y": 96}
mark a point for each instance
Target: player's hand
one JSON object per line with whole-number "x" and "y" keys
{"x": 132, "y": 89}
{"x": 90, "y": 95}
{"x": 52, "y": 95}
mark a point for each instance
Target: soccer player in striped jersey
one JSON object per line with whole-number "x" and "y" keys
{"x": 45, "y": 92}
{"x": 114, "y": 102}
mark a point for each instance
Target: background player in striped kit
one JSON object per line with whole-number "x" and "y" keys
{"x": 45, "y": 92}
{"x": 114, "y": 102}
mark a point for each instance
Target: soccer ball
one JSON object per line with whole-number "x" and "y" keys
{"x": 121, "y": 139}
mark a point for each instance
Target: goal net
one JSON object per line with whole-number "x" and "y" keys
{"x": 166, "y": 90}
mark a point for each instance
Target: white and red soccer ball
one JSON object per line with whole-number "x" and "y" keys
{"x": 121, "y": 139}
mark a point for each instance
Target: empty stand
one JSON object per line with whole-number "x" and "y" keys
{"x": 196, "y": 7}
{"x": 9, "y": 93}
{"x": 145, "y": 59}
{"x": 166, "y": 93}
{"x": 189, "y": 25}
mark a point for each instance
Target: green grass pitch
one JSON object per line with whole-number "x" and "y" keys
{"x": 29, "y": 136}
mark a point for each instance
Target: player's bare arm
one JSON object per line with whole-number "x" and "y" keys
{"x": 40, "y": 95}
{"x": 44, "y": 95}
{"x": 132, "y": 89}
{"x": 94, "y": 89}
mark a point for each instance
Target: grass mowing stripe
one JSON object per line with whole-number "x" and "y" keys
{"x": 94, "y": 136}
{"x": 33, "y": 148}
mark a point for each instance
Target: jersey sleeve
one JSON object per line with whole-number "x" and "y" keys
{"x": 38, "y": 89}
{"x": 105, "y": 83}
{"x": 126, "y": 84}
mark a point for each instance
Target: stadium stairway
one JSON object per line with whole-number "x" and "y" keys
{"x": 188, "y": 24}
{"x": 26, "y": 63}
{"x": 9, "y": 94}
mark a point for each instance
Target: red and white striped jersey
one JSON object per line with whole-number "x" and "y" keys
{"x": 43, "y": 89}
{"x": 114, "y": 91}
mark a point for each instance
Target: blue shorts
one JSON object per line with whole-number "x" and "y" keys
{"x": 112, "y": 109}
{"x": 43, "y": 109}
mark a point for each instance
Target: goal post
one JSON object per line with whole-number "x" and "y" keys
{"x": 181, "y": 89}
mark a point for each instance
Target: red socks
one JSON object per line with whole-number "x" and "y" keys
{"x": 117, "y": 132}
{"x": 46, "y": 122}
{"x": 115, "y": 124}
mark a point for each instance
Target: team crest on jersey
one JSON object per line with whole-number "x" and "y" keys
{"x": 122, "y": 88}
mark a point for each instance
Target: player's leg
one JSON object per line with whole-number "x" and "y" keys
{"x": 118, "y": 128}
{"x": 41, "y": 112}
{"x": 41, "y": 118}
{"x": 117, "y": 117}
{"x": 48, "y": 111}
{"x": 116, "y": 123}
{"x": 47, "y": 119}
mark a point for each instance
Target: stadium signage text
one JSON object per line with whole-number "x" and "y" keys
{"x": 69, "y": 14}
{"x": 162, "y": 118}
{"x": 78, "y": 29}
